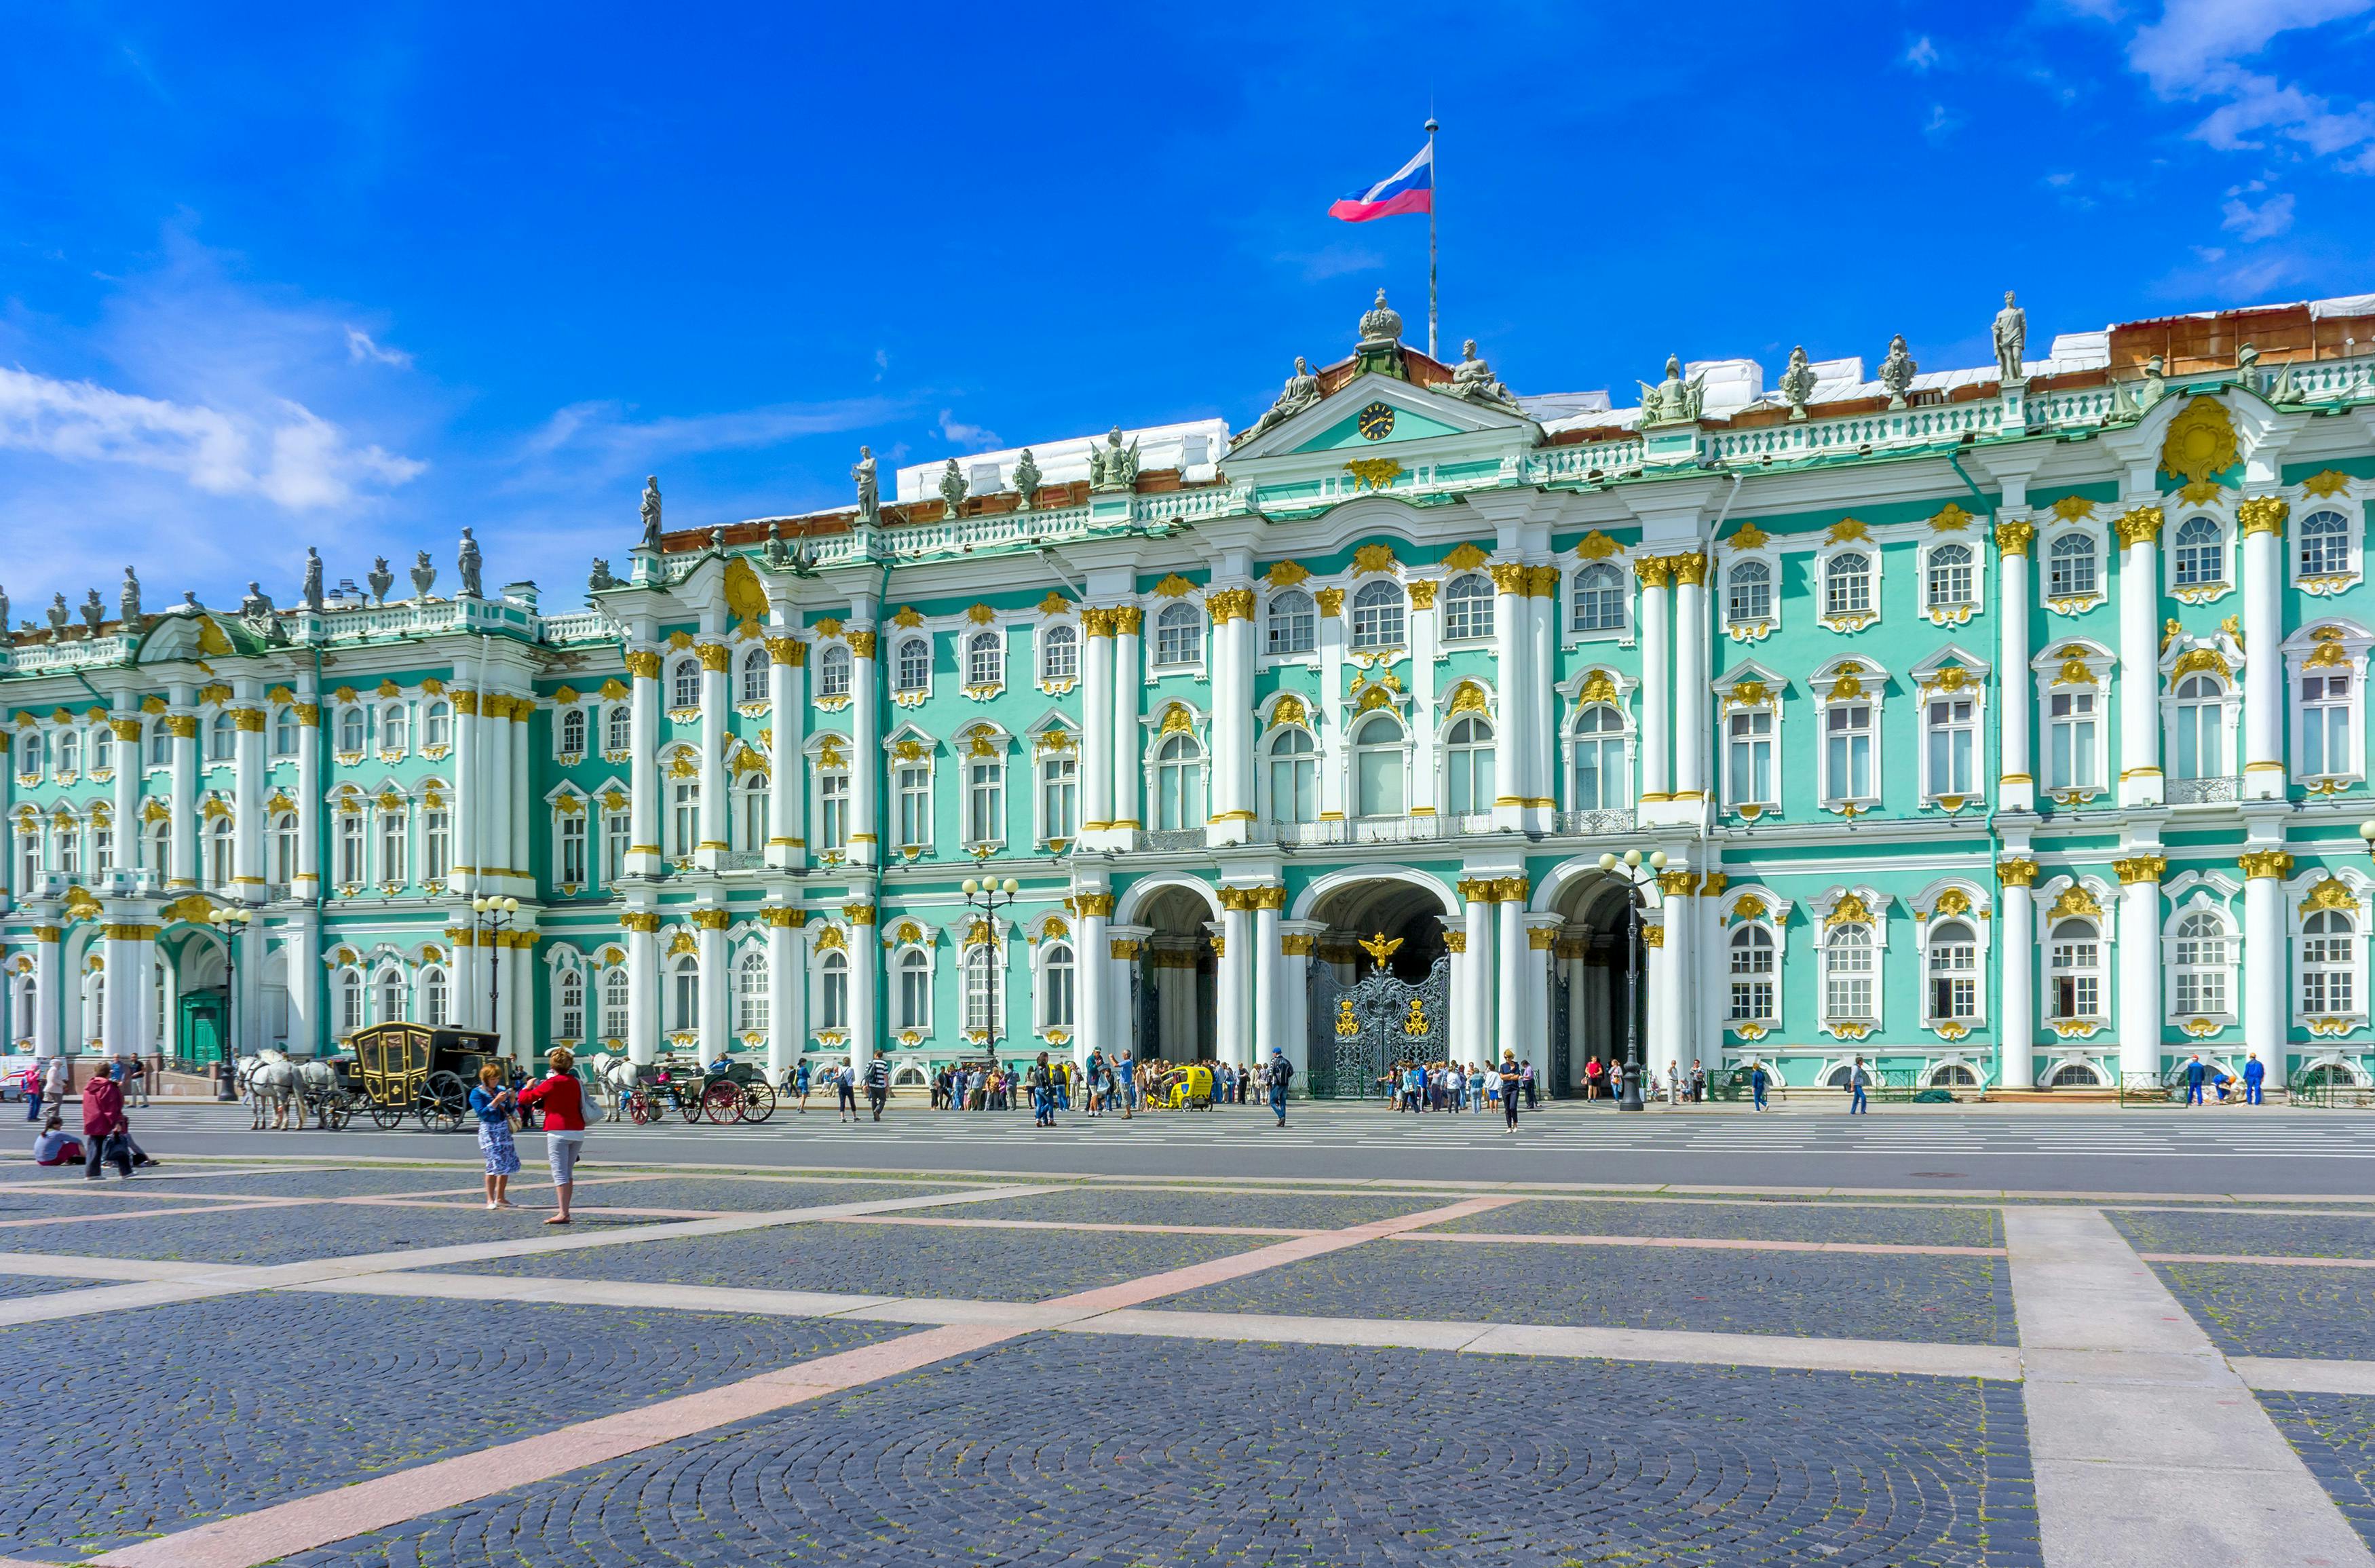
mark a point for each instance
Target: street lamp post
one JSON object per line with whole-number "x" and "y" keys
{"x": 230, "y": 922}
{"x": 492, "y": 915}
{"x": 1637, "y": 881}
{"x": 984, "y": 898}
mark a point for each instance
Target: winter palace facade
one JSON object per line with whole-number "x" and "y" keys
{"x": 2005, "y": 725}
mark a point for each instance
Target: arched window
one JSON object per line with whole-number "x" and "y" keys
{"x": 1293, "y": 623}
{"x": 2074, "y": 971}
{"x": 102, "y": 749}
{"x": 981, "y": 1008}
{"x": 1467, "y": 607}
{"x": 2200, "y": 970}
{"x": 1378, "y": 614}
{"x": 2200, "y": 552}
{"x": 1178, "y": 635}
{"x": 218, "y": 853}
{"x": 1748, "y": 590}
{"x": 350, "y": 847}
{"x": 284, "y": 850}
{"x": 1059, "y": 654}
{"x": 911, "y": 667}
{"x": 614, "y": 1003}
{"x": 572, "y": 733}
{"x": 1378, "y": 767}
{"x": 2070, "y": 571}
{"x": 69, "y": 752}
{"x": 684, "y": 995}
{"x": 1599, "y": 777}
{"x": 569, "y": 1007}
{"x": 832, "y": 992}
{"x": 684, "y": 683}
{"x": 2200, "y": 729}
{"x": 754, "y": 674}
{"x": 395, "y": 838}
{"x": 1752, "y": 975}
{"x": 684, "y": 810}
{"x": 751, "y": 994}
{"x": 437, "y": 724}
{"x": 1293, "y": 776}
{"x": 619, "y": 728}
{"x": 2324, "y": 545}
{"x": 985, "y": 800}
{"x": 395, "y": 729}
{"x": 392, "y": 998}
{"x": 832, "y": 672}
{"x": 284, "y": 731}
{"x": 1059, "y": 795}
{"x": 1178, "y": 783}
{"x": 1949, "y": 576}
{"x": 1847, "y": 975}
{"x": 2075, "y": 1075}
{"x": 222, "y": 739}
{"x": 1847, "y": 751}
{"x": 986, "y": 659}
{"x": 436, "y": 999}
{"x": 155, "y": 846}
{"x": 1599, "y": 599}
{"x": 2329, "y": 976}
{"x": 1846, "y": 584}
{"x": 160, "y": 743}
{"x": 2325, "y": 724}
{"x": 1468, "y": 752}
{"x": 914, "y": 990}
{"x": 1954, "y": 971}
{"x": 350, "y": 730}
{"x": 1055, "y": 987}
{"x": 750, "y": 812}
{"x": 436, "y": 845}
{"x": 349, "y": 990}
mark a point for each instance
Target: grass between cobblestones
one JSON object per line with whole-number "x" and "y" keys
{"x": 2334, "y": 1435}
{"x": 1751, "y": 1221}
{"x": 2286, "y": 1310}
{"x": 281, "y": 1234}
{"x": 2246, "y": 1233}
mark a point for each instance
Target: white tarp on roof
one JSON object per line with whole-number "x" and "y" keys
{"x": 1195, "y": 446}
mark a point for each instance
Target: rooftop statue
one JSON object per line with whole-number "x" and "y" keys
{"x": 1673, "y": 400}
{"x": 59, "y": 615}
{"x": 1026, "y": 479}
{"x": 1798, "y": 382}
{"x": 778, "y": 553}
{"x": 651, "y": 512}
{"x": 601, "y": 578}
{"x": 1472, "y": 380}
{"x": 94, "y": 611}
{"x": 2011, "y": 333}
{"x": 1302, "y": 390}
{"x": 424, "y": 575}
{"x": 952, "y": 490}
{"x": 470, "y": 566}
{"x": 312, "y": 589}
{"x": 1898, "y": 371}
{"x": 257, "y": 605}
{"x": 1111, "y": 466}
{"x": 718, "y": 537}
{"x": 870, "y": 495}
{"x": 128, "y": 601}
{"x": 3, "y": 612}
{"x": 380, "y": 580}
{"x": 1381, "y": 323}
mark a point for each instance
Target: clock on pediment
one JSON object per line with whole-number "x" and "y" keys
{"x": 1375, "y": 422}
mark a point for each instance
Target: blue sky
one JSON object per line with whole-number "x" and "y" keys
{"x": 357, "y": 276}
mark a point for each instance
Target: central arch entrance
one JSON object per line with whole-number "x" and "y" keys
{"x": 1379, "y": 987}
{"x": 1178, "y": 973}
{"x": 1594, "y": 946}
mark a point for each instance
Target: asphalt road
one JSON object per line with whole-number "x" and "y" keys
{"x": 2266, "y": 1151}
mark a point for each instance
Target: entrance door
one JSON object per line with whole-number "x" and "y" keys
{"x": 1358, "y": 1033}
{"x": 201, "y": 1036}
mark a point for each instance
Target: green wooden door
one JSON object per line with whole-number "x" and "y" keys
{"x": 201, "y": 1038}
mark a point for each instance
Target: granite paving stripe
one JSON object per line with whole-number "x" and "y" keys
{"x": 360, "y": 1180}
{"x": 115, "y": 1196}
{"x": 2275, "y": 1309}
{"x": 1932, "y": 1299}
{"x": 1092, "y": 1227}
{"x": 1249, "y": 1210}
{"x": 2303, "y": 1376}
{"x": 1117, "y": 1450}
{"x": 724, "y": 1197}
{"x": 142, "y": 1212}
{"x": 280, "y": 1233}
{"x": 41, "y": 1284}
{"x": 2263, "y": 1259}
{"x": 1754, "y": 1222}
{"x": 2228, "y": 1233}
{"x": 1708, "y": 1243}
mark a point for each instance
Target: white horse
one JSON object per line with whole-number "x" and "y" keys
{"x": 272, "y": 1081}
{"x": 315, "y": 1081}
{"x": 615, "y": 1075}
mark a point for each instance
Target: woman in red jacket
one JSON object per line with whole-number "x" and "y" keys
{"x": 563, "y": 1102}
{"x": 104, "y": 1128}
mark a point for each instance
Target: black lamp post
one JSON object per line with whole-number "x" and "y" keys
{"x": 492, "y": 915}
{"x": 1637, "y": 880}
{"x": 984, "y": 898}
{"x": 229, "y": 921}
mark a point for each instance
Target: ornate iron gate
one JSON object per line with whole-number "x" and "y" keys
{"x": 1359, "y": 1032}
{"x": 1563, "y": 1001}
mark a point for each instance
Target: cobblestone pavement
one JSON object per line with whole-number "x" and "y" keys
{"x": 359, "y": 1181}
{"x": 169, "y": 1416}
{"x": 2247, "y": 1234}
{"x": 39, "y": 1284}
{"x": 886, "y": 1260}
{"x": 1151, "y": 1452}
{"x": 1766, "y": 1222}
{"x": 2334, "y": 1435}
{"x": 728, "y": 1196}
{"x": 2284, "y": 1310}
{"x": 281, "y": 1234}
{"x": 90, "y": 1197}
{"x": 1849, "y": 1296}
{"x": 1292, "y": 1211}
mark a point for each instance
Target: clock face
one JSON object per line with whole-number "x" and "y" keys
{"x": 1375, "y": 422}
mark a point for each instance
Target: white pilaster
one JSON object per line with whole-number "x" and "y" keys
{"x": 2014, "y": 688}
{"x": 1512, "y": 646}
{"x": 1127, "y": 681}
{"x": 247, "y": 797}
{"x": 1231, "y": 815}
{"x": 1426, "y": 717}
{"x": 714, "y": 658}
{"x": 1482, "y": 978}
{"x": 865, "y": 977}
{"x": 2140, "y": 998}
{"x": 643, "y": 858}
{"x": 1096, "y": 722}
{"x": 1516, "y": 1020}
{"x": 866, "y": 766}
{"x": 1268, "y": 964}
{"x": 786, "y": 993}
{"x": 308, "y": 884}
{"x": 2263, "y": 678}
{"x": 2263, "y": 961}
{"x": 2016, "y": 1000}
{"x": 309, "y": 1021}
{"x": 1657, "y": 781}
{"x": 643, "y": 983}
{"x": 2139, "y": 594}
{"x": 1092, "y": 997}
{"x": 1234, "y": 993}
{"x": 1295, "y": 940}
{"x": 48, "y": 1002}
{"x": 186, "y": 823}
{"x": 1542, "y": 746}
{"x": 786, "y": 763}
{"x": 1690, "y": 702}
{"x": 716, "y": 981}
{"x": 469, "y": 797}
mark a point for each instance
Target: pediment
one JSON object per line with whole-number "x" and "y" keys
{"x": 1399, "y": 413}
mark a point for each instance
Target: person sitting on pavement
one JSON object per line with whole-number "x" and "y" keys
{"x": 55, "y": 1145}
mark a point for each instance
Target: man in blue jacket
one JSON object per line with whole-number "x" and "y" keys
{"x": 2194, "y": 1074}
{"x": 2255, "y": 1071}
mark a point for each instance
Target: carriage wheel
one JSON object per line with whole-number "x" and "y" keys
{"x": 444, "y": 1103}
{"x": 340, "y": 1112}
{"x": 638, "y": 1107}
{"x": 721, "y": 1102}
{"x": 387, "y": 1116}
{"x": 757, "y": 1101}
{"x": 689, "y": 1101}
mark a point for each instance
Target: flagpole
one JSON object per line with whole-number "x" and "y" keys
{"x": 1435, "y": 183}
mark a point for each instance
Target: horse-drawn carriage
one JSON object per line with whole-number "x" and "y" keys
{"x": 737, "y": 1093}
{"x": 412, "y": 1069}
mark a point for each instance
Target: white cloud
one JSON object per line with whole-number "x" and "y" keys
{"x": 2195, "y": 53}
{"x": 1921, "y": 54}
{"x": 606, "y": 433}
{"x": 1940, "y": 122}
{"x": 2268, "y": 220}
{"x": 976, "y": 438}
{"x": 361, "y": 346}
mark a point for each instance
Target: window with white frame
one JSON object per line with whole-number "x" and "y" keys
{"x": 832, "y": 672}
{"x": 349, "y": 990}
{"x": 29, "y": 862}
{"x": 160, "y": 743}
{"x": 832, "y": 810}
{"x": 2072, "y": 736}
{"x": 1748, "y": 770}
{"x": 2324, "y": 710}
{"x": 754, "y": 674}
{"x": 1178, "y": 783}
{"x": 1293, "y": 623}
{"x": 914, "y": 990}
{"x": 2199, "y": 745}
{"x": 283, "y": 849}
{"x": 218, "y": 853}
{"x": 1847, "y": 974}
{"x": 750, "y": 821}
{"x": 684, "y": 995}
{"x": 1846, "y": 584}
{"x": 1293, "y": 776}
{"x": 1467, "y": 607}
{"x": 1379, "y": 613}
{"x": 751, "y": 994}
{"x": 985, "y": 800}
{"x": 1601, "y": 781}
{"x": 1468, "y": 759}
{"x": 832, "y": 992}
{"x": 911, "y": 666}
{"x": 350, "y": 847}
{"x": 1599, "y": 599}
{"x": 572, "y": 849}
{"x": 1748, "y": 593}
{"x": 437, "y": 724}
{"x": 29, "y": 754}
{"x": 1178, "y": 636}
{"x": 1055, "y": 987}
{"x": 1954, "y": 965}
{"x": 1950, "y": 582}
{"x": 984, "y": 659}
{"x": 2198, "y": 966}
{"x": 1752, "y": 975}
{"x": 222, "y": 739}
{"x": 1847, "y": 751}
{"x": 1378, "y": 767}
{"x": 980, "y": 969}
{"x": 394, "y": 1003}
{"x": 614, "y": 1003}
{"x": 102, "y": 845}
{"x": 2074, "y": 971}
{"x": 572, "y": 733}
{"x": 684, "y": 683}
{"x": 394, "y": 838}
{"x": 69, "y": 752}
{"x": 157, "y": 846}
{"x": 395, "y": 729}
{"x": 2198, "y": 554}
{"x": 284, "y": 731}
{"x": 102, "y": 749}
{"x": 2329, "y": 969}
{"x": 617, "y": 837}
{"x": 1952, "y": 720}
{"x": 684, "y": 815}
{"x": 69, "y": 848}
{"x": 619, "y": 728}
{"x": 351, "y": 730}
{"x": 569, "y": 1005}
{"x": 1060, "y": 652}
{"x": 2072, "y": 569}
{"x": 2324, "y": 544}
{"x": 1059, "y": 795}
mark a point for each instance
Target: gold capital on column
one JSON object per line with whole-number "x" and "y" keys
{"x": 643, "y": 664}
{"x": 1095, "y": 906}
{"x": 2141, "y": 868}
{"x": 2266, "y": 863}
{"x": 2140, "y": 526}
{"x": 2262, "y": 514}
{"x": 2017, "y": 872}
{"x": 1677, "y": 884}
{"x": 1478, "y": 889}
{"x": 643, "y": 920}
{"x": 2014, "y": 539}
{"x": 1653, "y": 936}
{"x": 1654, "y": 570}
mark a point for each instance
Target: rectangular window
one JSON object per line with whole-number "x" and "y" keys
{"x": 617, "y": 830}
{"x": 914, "y": 793}
{"x": 1751, "y": 767}
{"x": 1059, "y": 797}
{"x": 1848, "y": 727}
{"x": 573, "y": 850}
{"x": 2070, "y": 741}
{"x": 2325, "y": 726}
{"x": 986, "y": 801}
{"x": 1951, "y": 737}
{"x": 832, "y": 811}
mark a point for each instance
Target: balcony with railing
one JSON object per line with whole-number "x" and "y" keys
{"x": 2213, "y": 791}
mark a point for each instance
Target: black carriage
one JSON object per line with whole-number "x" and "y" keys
{"x": 414, "y": 1070}
{"x": 738, "y": 1093}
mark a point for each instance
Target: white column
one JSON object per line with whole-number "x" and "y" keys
{"x": 186, "y": 823}
{"x": 1123, "y": 946}
{"x": 496, "y": 786}
{"x": 2013, "y": 686}
{"x": 518, "y": 795}
{"x": 2140, "y": 998}
{"x": 1096, "y": 724}
{"x": 468, "y": 1007}
{"x": 1327, "y": 724}
{"x": 2263, "y": 959}
{"x": 524, "y": 982}
{"x": 642, "y": 984}
{"x": 2264, "y": 684}
{"x": 1542, "y": 933}
{"x": 1234, "y": 993}
{"x": 1579, "y": 1009}
{"x": 714, "y": 658}
{"x": 469, "y": 795}
{"x": 1231, "y": 812}
{"x": 126, "y": 811}
{"x": 1093, "y": 990}
{"x": 1294, "y": 996}
{"x": 1515, "y": 1018}
{"x": 1657, "y": 785}
{"x": 1690, "y": 703}
{"x": 786, "y": 994}
{"x": 2016, "y": 993}
{"x": 247, "y": 796}
{"x": 1426, "y": 713}
{"x": 2140, "y": 780}
{"x": 644, "y": 791}
{"x": 48, "y": 1004}
{"x": 1542, "y": 746}
{"x": 1512, "y": 648}
{"x": 308, "y": 885}
{"x": 1267, "y": 962}
{"x": 125, "y": 948}
{"x": 1480, "y": 893}
{"x": 1657, "y": 1049}
{"x": 866, "y": 765}
{"x": 309, "y": 1024}
{"x": 787, "y": 765}
{"x": 716, "y": 995}
{"x": 865, "y": 971}
{"x": 1682, "y": 920}
{"x": 1127, "y": 681}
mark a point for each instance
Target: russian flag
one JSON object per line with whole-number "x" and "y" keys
{"x": 1411, "y": 188}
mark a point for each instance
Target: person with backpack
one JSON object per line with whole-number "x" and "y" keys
{"x": 1281, "y": 1074}
{"x": 105, "y": 1133}
{"x": 877, "y": 1085}
{"x": 1857, "y": 1079}
{"x": 844, "y": 1083}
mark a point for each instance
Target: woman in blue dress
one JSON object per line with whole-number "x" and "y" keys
{"x": 493, "y": 1104}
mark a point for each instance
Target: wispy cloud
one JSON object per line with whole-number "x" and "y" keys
{"x": 2268, "y": 220}
{"x": 1941, "y": 123}
{"x": 977, "y": 437}
{"x": 2198, "y": 50}
{"x": 1331, "y": 260}
{"x": 607, "y": 431}
{"x": 1921, "y": 54}
{"x": 361, "y": 346}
